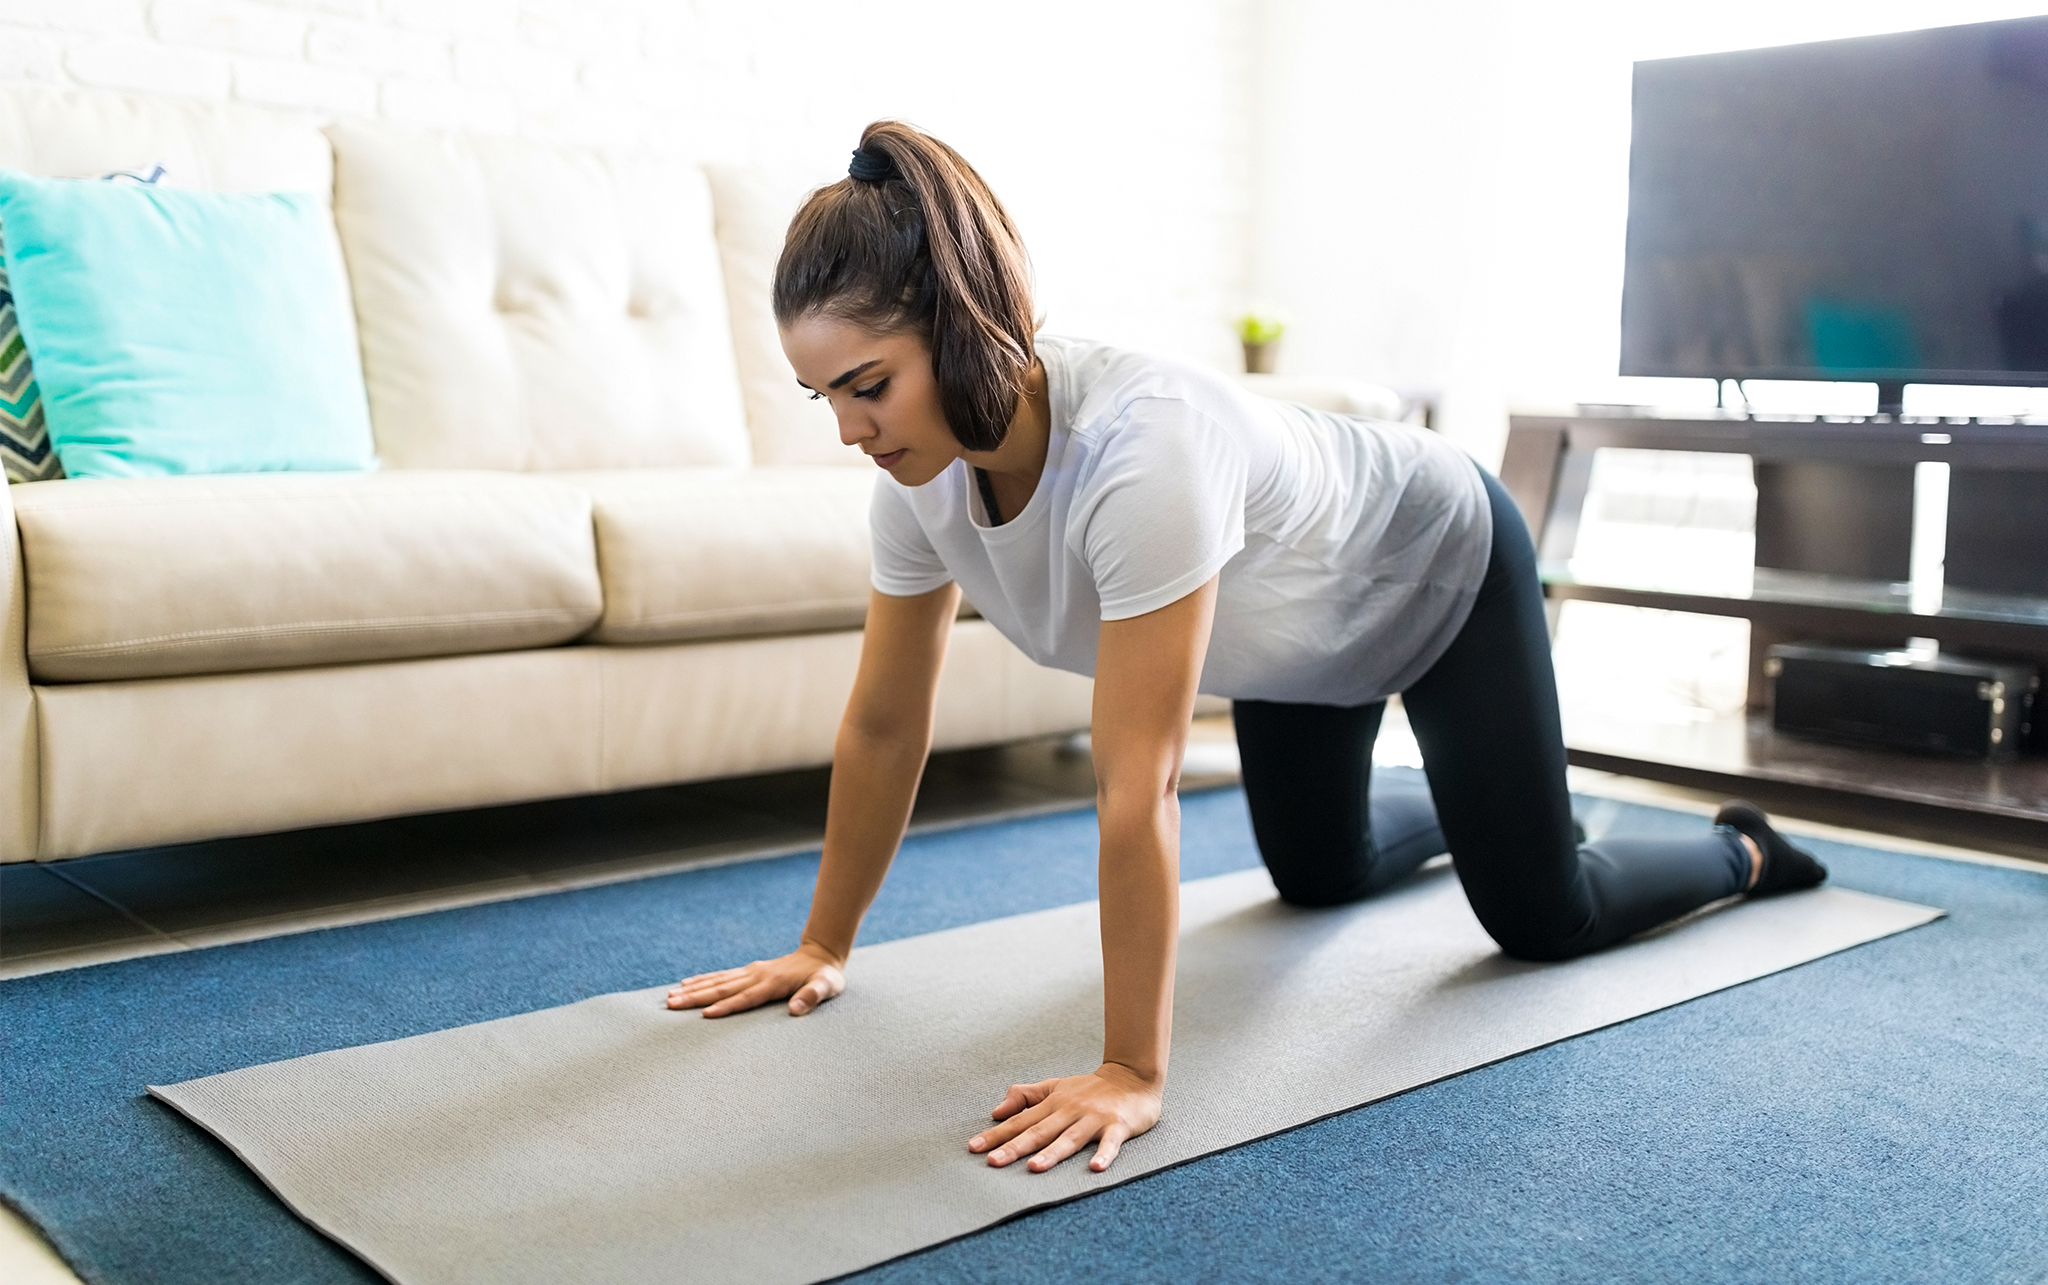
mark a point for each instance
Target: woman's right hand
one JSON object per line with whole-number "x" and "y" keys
{"x": 807, "y": 977}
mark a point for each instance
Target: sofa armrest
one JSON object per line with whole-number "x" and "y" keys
{"x": 1340, "y": 396}
{"x": 20, "y": 766}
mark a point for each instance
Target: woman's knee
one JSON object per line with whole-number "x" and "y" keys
{"x": 1312, "y": 888}
{"x": 1540, "y": 941}
{"x": 1540, "y": 950}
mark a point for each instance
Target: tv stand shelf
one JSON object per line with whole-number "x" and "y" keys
{"x": 2000, "y": 807}
{"x": 1547, "y": 468}
{"x": 1851, "y": 613}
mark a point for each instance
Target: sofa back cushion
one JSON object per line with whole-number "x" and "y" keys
{"x": 754, "y": 209}
{"x": 219, "y": 147}
{"x": 531, "y": 307}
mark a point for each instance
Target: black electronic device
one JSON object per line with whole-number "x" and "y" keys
{"x": 1998, "y": 531}
{"x": 1865, "y": 209}
{"x": 1905, "y": 699}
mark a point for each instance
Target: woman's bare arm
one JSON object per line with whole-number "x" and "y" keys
{"x": 1146, "y": 671}
{"x": 878, "y": 758}
{"x": 876, "y": 762}
{"x": 1145, "y": 675}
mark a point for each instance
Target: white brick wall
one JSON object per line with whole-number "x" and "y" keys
{"x": 238, "y": 26}
{"x": 130, "y": 62}
{"x": 1115, "y": 129}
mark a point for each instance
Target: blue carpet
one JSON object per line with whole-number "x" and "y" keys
{"x": 1877, "y": 1115}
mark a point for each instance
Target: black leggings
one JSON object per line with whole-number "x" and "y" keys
{"x": 1486, "y": 718}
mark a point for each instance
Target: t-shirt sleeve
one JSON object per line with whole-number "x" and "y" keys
{"x": 905, "y": 564}
{"x": 1163, "y": 509}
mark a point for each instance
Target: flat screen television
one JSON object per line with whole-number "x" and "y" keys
{"x": 1866, "y": 209}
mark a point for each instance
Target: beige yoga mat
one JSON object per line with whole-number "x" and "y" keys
{"x": 615, "y": 1141}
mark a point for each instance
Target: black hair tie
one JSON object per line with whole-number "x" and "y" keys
{"x": 870, "y": 165}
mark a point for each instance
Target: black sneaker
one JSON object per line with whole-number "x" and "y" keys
{"x": 1786, "y": 868}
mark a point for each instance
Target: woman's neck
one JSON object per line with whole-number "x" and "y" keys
{"x": 1014, "y": 467}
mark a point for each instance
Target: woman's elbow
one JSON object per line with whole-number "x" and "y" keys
{"x": 1138, "y": 797}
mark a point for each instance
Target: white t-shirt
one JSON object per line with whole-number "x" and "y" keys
{"x": 1350, "y": 550}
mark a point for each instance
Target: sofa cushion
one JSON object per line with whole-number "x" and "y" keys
{"x": 223, "y": 147}
{"x": 721, "y": 553}
{"x": 1339, "y": 396}
{"x": 531, "y": 307}
{"x": 754, "y": 209}
{"x": 148, "y": 577}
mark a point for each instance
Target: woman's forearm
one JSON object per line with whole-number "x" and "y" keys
{"x": 877, "y": 758}
{"x": 1139, "y": 877}
{"x": 874, "y": 783}
{"x": 1146, "y": 671}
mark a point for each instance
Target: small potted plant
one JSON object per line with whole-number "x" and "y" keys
{"x": 1260, "y": 329}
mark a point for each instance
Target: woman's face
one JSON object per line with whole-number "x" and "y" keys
{"x": 882, "y": 391}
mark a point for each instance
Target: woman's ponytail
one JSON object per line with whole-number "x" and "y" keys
{"x": 914, "y": 240}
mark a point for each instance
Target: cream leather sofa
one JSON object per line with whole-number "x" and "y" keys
{"x": 611, "y": 545}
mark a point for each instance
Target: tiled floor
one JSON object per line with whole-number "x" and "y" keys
{"x": 94, "y": 909}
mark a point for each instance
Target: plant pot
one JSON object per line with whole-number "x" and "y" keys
{"x": 1259, "y": 358}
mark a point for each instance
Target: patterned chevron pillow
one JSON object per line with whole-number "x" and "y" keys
{"x": 25, "y": 449}
{"x": 24, "y": 440}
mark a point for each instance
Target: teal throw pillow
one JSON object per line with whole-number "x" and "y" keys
{"x": 25, "y": 451}
{"x": 185, "y": 332}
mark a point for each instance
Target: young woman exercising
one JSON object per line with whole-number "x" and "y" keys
{"x": 1156, "y": 526}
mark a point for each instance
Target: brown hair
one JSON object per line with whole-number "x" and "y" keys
{"x": 914, "y": 240}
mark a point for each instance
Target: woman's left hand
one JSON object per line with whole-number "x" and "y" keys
{"x": 1052, "y": 1119}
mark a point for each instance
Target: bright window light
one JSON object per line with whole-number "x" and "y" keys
{"x": 1638, "y": 390}
{"x": 1976, "y": 403}
{"x": 1809, "y": 397}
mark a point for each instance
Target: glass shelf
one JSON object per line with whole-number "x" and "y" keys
{"x": 1741, "y": 748}
{"x": 1629, "y": 411}
{"x": 1765, "y": 585}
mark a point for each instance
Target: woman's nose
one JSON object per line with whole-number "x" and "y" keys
{"x": 854, "y": 427}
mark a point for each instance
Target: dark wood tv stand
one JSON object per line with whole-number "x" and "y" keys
{"x": 2004, "y": 807}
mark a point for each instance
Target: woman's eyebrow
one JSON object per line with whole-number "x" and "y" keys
{"x": 841, "y": 381}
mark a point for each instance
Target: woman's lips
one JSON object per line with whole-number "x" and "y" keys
{"x": 889, "y": 460}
